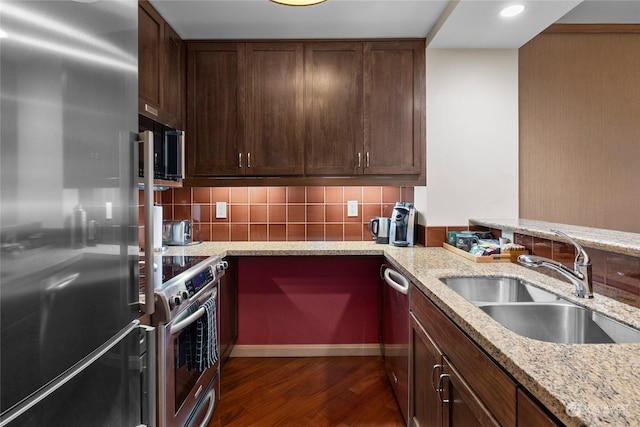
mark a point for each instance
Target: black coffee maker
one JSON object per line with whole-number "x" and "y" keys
{"x": 403, "y": 230}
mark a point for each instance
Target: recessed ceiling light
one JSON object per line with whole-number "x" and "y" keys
{"x": 513, "y": 10}
{"x": 3, "y": 34}
{"x": 298, "y": 2}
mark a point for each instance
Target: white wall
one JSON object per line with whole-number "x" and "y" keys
{"x": 472, "y": 136}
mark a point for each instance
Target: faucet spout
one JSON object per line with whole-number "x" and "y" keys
{"x": 580, "y": 276}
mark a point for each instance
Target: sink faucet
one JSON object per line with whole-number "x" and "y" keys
{"x": 580, "y": 276}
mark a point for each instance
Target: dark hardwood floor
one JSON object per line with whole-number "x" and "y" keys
{"x": 306, "y": 392}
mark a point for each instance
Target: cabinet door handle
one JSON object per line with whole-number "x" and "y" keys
{"x": 433, "y": 371}
{"x": 368, "y": 159}
{"x": 248, "y": 160}
{"x": 441, "y": 387}
{"x": 359, "y": 160}
{"x": 240, "y": 160}
{"x": 149, "y": 109}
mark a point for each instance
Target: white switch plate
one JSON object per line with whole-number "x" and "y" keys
{"x": 352, "y": 208}
{"x": 221, "y": 209}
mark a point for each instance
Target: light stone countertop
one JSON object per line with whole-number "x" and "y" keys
{"x": 587, "y": 384}
{"x": 607, "y": 240}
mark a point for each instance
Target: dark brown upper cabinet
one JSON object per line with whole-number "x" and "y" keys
{"x": 215, "y": 109}
{"x": 394, "y": 107}
{"x": 333, "y": 108}
{"x": 160, "y": 68}
{"x": 275, "y": 110}
{"x": 301, "y": 112}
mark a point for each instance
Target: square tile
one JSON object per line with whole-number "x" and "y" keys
{"x": 258, "y": 232}
{"x": 201, "y": 213}
{"x": 333, "y": 194}
{"x": 353, "y": 193}
{"x": 239, "y": 195}
{"x": 220, "y": 194}
{"x": 166, "y": 197}
{"x": 315, "y": 232}
{"x": 258, "y": 213}
{"x": 181, "y": 212}
{"x": 370, "y": 211}
{"x": 182, "y": 196}
{"x": 277, "y": 232}
{"x": 296, "y": 194}
{"x": 435, "y": 236}
{"x": 564, "y": 253}
{"x": 334, "y": 232}
{"x": 623, "y": 272}
{"x": 296, "y": 232}
{"x": 391, "y": 195}
{"x": 239, "y": 232}
{"x": 277, "y": 213}
{"x": 258, "y": 195}
{"x": 296, "y": 213}
{"x": 220, "y": 232}
{"x": 333, "y": 213}
{"x": 353, "y": 232}
{"x": 315, "y": 213}
{"x": 315, "y": 194}
{"x": 541, "y": 247}
{"x": 372, "y": 195}
{"x": 201, "y": 195}
{"x": 239, "y": 213}
{"x": 201, "y": 232}
{"x": 277, "y": 195}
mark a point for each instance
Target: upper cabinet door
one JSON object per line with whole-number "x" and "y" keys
{"x": 275, "y": 110}
{"x": 215, "y": 109}
{"x": 150, "y": 31}
{"x": 333, "y": 108}
{"x": 160, "y": 68}
{"x": 173, "y": 87}
{"x": 394, "y": 107}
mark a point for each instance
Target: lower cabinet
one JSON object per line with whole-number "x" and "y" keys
{"x": 454, "y": 383}
{"x": 228, "y": 326}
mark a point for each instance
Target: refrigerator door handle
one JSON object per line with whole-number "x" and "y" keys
{"x": 146, "y": 138}
{"x": 68, "y": 375}
{"x": 148, "y": 372}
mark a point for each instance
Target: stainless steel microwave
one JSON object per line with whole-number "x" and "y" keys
{"x": 168, "y": 150}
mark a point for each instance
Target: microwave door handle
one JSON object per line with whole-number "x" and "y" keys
{"x": 146, "y": 138}
{"x": 181, "y": 157}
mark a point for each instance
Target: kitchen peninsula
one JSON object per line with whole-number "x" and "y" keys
{"x": 581, "y": 384}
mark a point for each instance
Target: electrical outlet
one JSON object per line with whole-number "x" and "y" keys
{"x": 221, "y": 209}
{"x": 352, "y": 208}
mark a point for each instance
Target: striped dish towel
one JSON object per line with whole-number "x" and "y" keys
{"x": 207, "y": 337}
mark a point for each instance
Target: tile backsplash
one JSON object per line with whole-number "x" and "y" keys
{"x": 280, "y": 213}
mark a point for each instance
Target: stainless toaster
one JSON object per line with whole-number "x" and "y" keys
{"x": 176, "y": 233}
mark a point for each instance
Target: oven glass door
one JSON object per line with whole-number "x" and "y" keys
{"x": 185, "y": 383}
{"x": 186, "y": 376}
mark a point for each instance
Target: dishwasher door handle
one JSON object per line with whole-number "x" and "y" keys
{"x": 397, "y": 281}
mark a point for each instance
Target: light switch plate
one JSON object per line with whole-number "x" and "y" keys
{"x": 221, "y": 210}
{"x": 352, "y": 208}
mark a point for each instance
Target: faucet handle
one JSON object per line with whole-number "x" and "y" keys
{"x": 582, "y": 258}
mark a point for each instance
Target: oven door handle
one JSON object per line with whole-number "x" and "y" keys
{"x": 178, "y": 327}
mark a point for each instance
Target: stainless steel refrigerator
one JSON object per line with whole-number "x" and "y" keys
{"x": 72, "y": 352}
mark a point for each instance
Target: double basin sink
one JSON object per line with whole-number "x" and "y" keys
{"x": 536, "y": 313}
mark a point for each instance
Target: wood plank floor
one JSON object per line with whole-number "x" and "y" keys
{"x": 306, "y": 392}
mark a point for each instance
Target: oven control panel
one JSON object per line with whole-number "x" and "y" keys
{"x": 199, "y": 281}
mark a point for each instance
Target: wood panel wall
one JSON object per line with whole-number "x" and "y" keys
{"x": 580, "y": 126}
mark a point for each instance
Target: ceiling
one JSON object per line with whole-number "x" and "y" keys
{"x": 455, "y": 24}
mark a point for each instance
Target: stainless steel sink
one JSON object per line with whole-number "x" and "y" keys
{"x": 481, "y": 290}
{"x": 561, "y": 323}
{"x": 539, "y": 314}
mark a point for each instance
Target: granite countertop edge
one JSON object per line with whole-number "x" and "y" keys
{"x": 580, "y": 384}
{"x": 597, "y": 238}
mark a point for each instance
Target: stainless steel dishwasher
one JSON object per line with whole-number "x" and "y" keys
{"x": 394, "y": 331}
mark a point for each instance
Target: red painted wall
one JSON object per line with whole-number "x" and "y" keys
{"x": 308, "y": 300}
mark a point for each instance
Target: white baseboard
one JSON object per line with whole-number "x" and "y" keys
{"x": 306, "y": 350}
